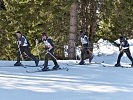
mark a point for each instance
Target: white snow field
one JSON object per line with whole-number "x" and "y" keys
{"x": 81, "y": 82}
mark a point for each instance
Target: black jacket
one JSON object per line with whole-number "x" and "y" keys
{"x": 48, "y": 43}
{"x": 24, "y": 41}
{"x": 124, "y": 43}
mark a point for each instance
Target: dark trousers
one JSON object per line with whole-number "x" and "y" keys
{"x": 127, "y": 51}
{"x": 48, "y": 55}
{"x": 85, "y": 54}
{"x": 25, "y": 49}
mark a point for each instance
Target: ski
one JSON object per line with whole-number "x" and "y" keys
{"x": 39, "y": 70}
{"x": 122, "y": 66}
{"x": 24, "y": 66}
{"x": 86, "y": 63}
{"x": 118, "y": 66}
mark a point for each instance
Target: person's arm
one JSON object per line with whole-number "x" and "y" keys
{"x": 86, "y": 38}
{"x": 18, "y": 42}
{"x": 50, "y": 46}
{"x": 22, "y": 41}
{"x": 126, "y": 44}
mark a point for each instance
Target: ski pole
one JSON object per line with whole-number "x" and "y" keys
{"x": 37, "y": 49}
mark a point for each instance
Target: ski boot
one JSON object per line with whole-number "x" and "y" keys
{"x": 117, "y": 65}
{"x": 82, "y": 63}
{"x": 36, "y": 62}
{"x": 55, "y": 67}
{"x": 45, "y": 69}
{"x": 18, "y": 64}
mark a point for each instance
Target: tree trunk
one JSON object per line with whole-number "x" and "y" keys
{"x": 73, "y": 30}
{"x": 93, "y": 23}
{"x": 88, "y": 18}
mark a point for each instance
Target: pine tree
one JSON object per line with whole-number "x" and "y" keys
{"x": 2, "y": 6}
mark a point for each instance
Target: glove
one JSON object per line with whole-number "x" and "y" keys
{"x": 19, "y": 42}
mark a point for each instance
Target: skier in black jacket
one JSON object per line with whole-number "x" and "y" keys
{"x": 124, "y": 48}
{"x": 23, "y": 46}
{"x": 85, "y": 48}
{"x": 49, "y": 46}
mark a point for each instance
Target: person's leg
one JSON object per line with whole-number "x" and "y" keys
{"x": 19, "y": 57}
{"x": 128, "y": 53}
{"x": 119, "y": 58}
{"x": 45, "y": 68}
{"x": 90, "y": 58}
{"x": 56, "y": 66}
{"x": 28, "y": 52}
{"x": 82, "y": 56}
{"x": 20, "y": 51}
{"x": 90, "y": 55}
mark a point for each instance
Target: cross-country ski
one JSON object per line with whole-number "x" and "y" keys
{"x": 39, "y": 70}
{"x": 122, "y": 66}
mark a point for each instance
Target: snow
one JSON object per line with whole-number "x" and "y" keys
{"x": 81, "y": 82}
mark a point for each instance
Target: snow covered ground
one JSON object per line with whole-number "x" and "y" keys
{"x": 81, "y": 82}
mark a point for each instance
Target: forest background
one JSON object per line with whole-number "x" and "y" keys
{"x": 62, "y": 20}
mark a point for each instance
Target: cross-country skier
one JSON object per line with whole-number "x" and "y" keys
{"x": 85, "y": 48}
{"x": 49, "y": 46}
{"x": 124, "y": 48}
{"x": 23, "y": 46}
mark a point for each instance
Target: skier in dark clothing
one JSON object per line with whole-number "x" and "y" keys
{"x": 49, "y": 46}
{"x": 85, "y": 48}
{"x": 23, "y": 46}
{"x": 124, "y": 48}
